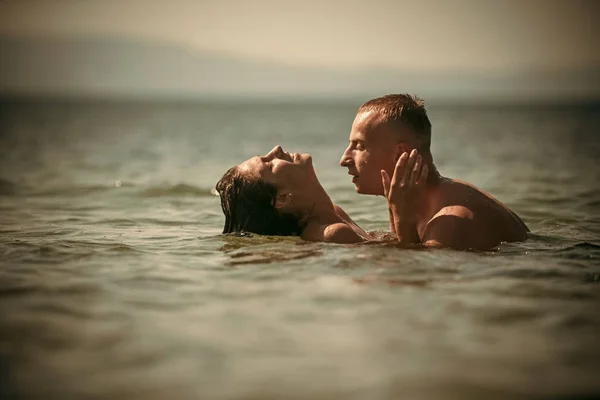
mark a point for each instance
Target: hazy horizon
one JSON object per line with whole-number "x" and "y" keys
{"x": 467, "y": 49}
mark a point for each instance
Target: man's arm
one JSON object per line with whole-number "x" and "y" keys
{"x": 453, "y": 227}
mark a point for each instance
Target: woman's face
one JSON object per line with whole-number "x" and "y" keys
{"x": 280, "y": 168}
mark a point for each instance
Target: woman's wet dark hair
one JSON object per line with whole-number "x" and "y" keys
{"x": 249, "y": 206}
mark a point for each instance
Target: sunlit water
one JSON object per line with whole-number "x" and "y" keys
{"x": 116, "y": 283}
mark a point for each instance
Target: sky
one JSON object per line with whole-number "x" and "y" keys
{"x": 484, "y": 36}
{"x": 433, "y": 35}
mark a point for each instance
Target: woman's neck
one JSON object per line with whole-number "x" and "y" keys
{"x": 314, "y": 206}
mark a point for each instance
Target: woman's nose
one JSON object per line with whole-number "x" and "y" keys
{"x": 275, "y": 152}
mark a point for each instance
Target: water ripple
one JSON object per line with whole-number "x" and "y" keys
{"x": 177, "y": 190}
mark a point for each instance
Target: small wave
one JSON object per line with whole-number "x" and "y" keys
{"x": 593, "y": 204}
{"x": 553, "y": 245}
{"x": 180, "y": 189}
{"x": 121, "y": 248}
{"x": 7, "y": 188}
{"x": 77, "y": 190}
{"x": 100, "y": 246}
{"x": 47, "y": 253}
{"x": 10, "y": 188}
{"x": 115, "y": 222}
{"x": 269, "y": 256}
{"x": 584, "y": 251}
{"x": 242, "y": 239}
{"x": 395, "y": 282}
{"x": 165, "y": 222}
{"x": 531, "y": 273}
{"x": 593, "y": 193}
{"x": 257, "y": 249}
{"x": 584, "y": 245}
{"x": 542, "y": 200}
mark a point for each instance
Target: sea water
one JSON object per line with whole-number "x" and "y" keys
{"x": 116, "y": 283}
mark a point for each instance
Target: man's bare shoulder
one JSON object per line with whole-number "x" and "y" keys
{"x": 460, "y": 190}
{"x": 452, "y": 193}
{"x": 454, "y": 227}
{"x": 457, "y": 211}
{"x": 466, "y": 217}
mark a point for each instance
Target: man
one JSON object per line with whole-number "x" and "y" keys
{"x": 391, "y": 136}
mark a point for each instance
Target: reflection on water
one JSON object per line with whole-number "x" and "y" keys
{"x": 256, "y": 249}
{"x": 116, "y": 283}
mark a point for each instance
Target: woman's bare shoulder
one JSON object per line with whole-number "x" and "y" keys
{"x": 339, "y": 232}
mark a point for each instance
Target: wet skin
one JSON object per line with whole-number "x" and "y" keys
{"x": 424, "y": 207}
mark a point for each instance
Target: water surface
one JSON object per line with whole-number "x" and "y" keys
{"x": 116, "y": 283}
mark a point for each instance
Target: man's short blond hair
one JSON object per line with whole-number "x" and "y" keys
{"x": 410, "y": 110}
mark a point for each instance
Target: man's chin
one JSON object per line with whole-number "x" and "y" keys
{"x": 360, "y": 190}
{"x": 366, "y": 190}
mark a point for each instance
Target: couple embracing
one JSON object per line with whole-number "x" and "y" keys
{"x": 389, "y": 155}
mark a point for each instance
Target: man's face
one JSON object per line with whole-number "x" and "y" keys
{"x": 373, "y": 147}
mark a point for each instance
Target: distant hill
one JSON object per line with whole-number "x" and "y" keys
{"x": 112, "y": 67}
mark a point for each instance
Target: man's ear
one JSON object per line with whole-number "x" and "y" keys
{"x": 283, "y": 199}
{"x": 401, "y": 147}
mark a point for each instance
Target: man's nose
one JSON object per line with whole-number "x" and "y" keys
{"x": 346, "y": 159}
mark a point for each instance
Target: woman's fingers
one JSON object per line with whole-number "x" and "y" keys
{"x": 409, "y": 166}
{"x": 416, "y": 171}
{"x": 399, "y": 170}
{"x": 385, "y": 179}
{"x": 410, "y": 170}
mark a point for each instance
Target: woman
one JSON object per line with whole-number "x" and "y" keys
{"x": 280, "y": 194}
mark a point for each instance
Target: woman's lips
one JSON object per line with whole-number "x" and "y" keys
{"x": 291, "y": 157}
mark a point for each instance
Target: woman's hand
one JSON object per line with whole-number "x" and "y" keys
{"x": 403, "y": 193}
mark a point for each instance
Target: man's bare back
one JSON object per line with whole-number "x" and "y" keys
{"x": 459, "y": 215}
